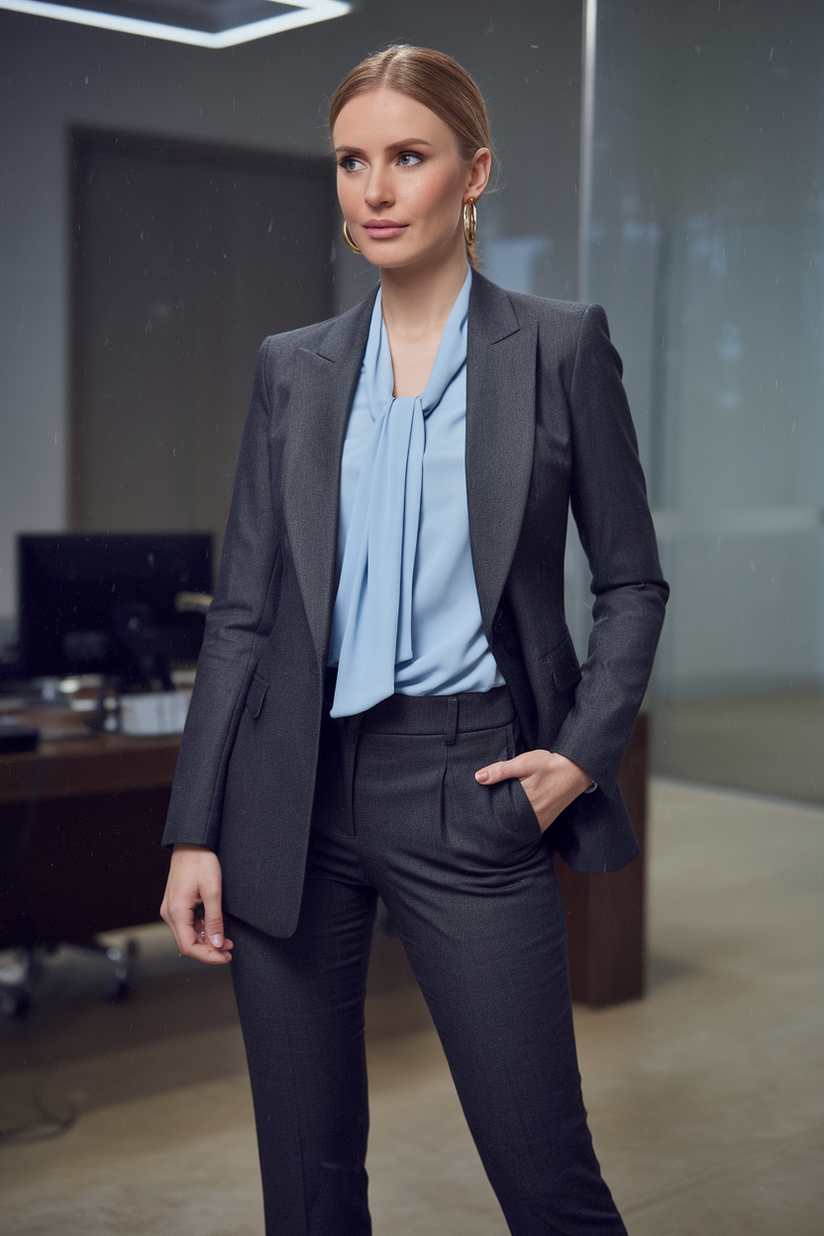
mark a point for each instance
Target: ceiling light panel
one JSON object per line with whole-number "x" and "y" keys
{"x": 202, "y": 23}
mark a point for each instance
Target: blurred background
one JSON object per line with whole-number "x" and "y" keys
{"x": 165, "y": 206}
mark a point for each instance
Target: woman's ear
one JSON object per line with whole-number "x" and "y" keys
{"x": 479, "y": 171}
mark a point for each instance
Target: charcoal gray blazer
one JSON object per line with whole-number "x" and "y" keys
{"x": 547, "y": 427}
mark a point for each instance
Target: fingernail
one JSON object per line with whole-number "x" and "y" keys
{"x": 217, "y": 941}
{"x": 483, "y": 775}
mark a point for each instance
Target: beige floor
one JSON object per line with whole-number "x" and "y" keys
{"x": 706, "y": 1098}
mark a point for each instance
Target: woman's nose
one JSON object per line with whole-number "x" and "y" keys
{"x": 378, "y": 189}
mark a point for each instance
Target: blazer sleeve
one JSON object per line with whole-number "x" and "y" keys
{"x": 237, "y": 624}
{"x": 609, "y": 504}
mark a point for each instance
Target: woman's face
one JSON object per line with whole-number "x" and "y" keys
{"x": 402, "y": 181}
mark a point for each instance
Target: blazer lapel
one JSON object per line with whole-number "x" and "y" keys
{"x": 324, "y": 384}
{"x": 500, "y": 427}
{"x": 500, "y": 431}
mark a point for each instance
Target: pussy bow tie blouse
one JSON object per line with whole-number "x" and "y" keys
{"x": 406, "y": 614}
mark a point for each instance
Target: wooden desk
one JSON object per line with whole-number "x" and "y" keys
{"x": 80, "y": 828}
{"x": 85, "y": 767}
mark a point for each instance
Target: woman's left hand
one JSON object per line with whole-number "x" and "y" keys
{"x": 551, "y": 781}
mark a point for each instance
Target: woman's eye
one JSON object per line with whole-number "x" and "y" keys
{"x": 348, "y": 163}
{"x": 409, "y": 158}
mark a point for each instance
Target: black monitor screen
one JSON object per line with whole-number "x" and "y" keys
{"x": 85, "y": 598}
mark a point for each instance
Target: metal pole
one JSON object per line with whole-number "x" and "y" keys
{"x": 590, "y": 21}
{"x": 577, "y": 574}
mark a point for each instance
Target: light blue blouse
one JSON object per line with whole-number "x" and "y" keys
{"x": 406, "y": 615}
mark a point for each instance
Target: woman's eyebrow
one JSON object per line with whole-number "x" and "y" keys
{"x": 410, "y": 141}
{"x": 404, "y": 145}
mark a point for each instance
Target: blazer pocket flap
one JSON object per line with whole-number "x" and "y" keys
{"x": 563, "y": 662}
{"x": 256, "y": 695}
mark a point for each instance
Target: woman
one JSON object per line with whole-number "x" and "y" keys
{"x": 388, "y": 702}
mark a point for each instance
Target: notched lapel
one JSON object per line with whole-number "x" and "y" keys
{"x": 500, "y": 434}
{"x": 323, "y": 388}
{"x": 500, "y": 428}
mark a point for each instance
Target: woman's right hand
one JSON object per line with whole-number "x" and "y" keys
{"x": 192, "y": 904}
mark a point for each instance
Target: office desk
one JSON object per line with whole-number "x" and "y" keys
{"x": 80, "y": 828}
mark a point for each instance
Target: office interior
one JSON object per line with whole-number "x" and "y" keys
{"x": 671, "y": 171}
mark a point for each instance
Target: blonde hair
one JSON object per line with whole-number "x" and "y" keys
{"x": 430, "y": 77}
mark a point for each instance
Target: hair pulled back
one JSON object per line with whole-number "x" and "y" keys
{"x": 431, "y": 78}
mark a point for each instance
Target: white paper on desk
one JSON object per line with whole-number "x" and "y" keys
{"x": 156, "y": 712}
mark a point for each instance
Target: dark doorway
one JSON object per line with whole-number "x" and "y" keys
{"x": 184, "y": 257}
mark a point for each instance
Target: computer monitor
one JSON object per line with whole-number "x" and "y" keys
{"x": 104, "y": 603}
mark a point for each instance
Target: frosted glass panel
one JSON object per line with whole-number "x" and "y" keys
{"x": 705, "y": 241}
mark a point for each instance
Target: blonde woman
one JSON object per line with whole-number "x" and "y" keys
{"x": 388, "y": 702}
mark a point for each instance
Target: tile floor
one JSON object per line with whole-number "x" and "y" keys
{"x": 705, "y": 1099}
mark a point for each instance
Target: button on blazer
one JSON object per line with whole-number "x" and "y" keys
{"x": 547, "y": 429}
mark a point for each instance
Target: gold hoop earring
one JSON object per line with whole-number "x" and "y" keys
{"x": 348, "y": 238}
{"x": 470, "y": 220}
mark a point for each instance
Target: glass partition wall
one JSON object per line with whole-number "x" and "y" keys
{"x": 702, "y": 233}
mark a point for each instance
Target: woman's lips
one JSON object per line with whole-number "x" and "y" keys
{"x": 384, "y": 229}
